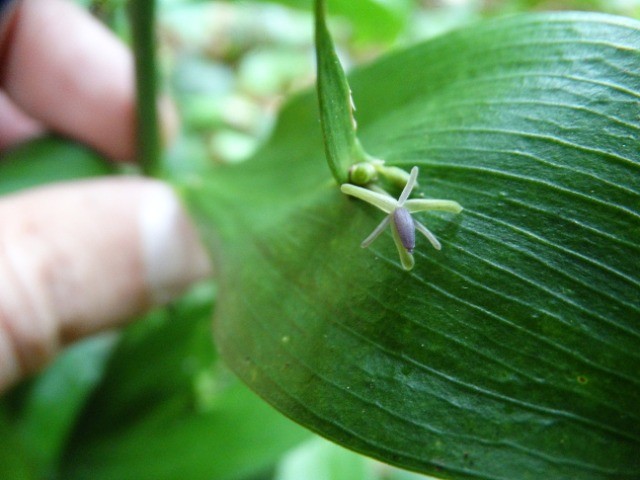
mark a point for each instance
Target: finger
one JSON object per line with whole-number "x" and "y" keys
{"x": 15, "y": 125}
{"x": 62, "y": 67}
{"x": 79, "y": 258}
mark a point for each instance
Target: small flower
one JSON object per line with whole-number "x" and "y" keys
{"x": 403, "y": 225}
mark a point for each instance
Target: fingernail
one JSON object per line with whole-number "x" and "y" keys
{"x": 173, "y": 255}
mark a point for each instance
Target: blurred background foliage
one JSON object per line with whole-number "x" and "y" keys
{"x": 154, "y": 401}
{"x": 229, "y": 65}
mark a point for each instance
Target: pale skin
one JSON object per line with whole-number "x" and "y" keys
{"x": 80, "y": 257}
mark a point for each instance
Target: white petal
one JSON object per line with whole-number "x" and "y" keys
{"x": 409, "y": 186}
{"x": 427, "y": 233}
{"x": 376, "y": 232}
{"x": 385, "y": 203}
{"x": 419, "y": 205}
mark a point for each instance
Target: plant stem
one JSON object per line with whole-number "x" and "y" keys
{"x": 142, "y": 18}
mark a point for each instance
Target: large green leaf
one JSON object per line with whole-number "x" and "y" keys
{"x": 513, "y": 352}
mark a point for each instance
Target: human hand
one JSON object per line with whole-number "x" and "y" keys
{"x": 79, "y": 257}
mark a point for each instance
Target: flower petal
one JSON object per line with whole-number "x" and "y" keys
{"x": 427, "y": 233}
{"x": 408, "y": 187}
{"x": 385, "y": 203}
{"x": 376, "y": 232}
{"x": 422, "y": 204}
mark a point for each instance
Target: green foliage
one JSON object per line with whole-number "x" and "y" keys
{"x": 13, "y": 460}
{"x": 46, "y": 409}
{"x": 372, "y": 20}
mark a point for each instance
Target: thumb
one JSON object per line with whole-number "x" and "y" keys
{"x": 82, "y": 257}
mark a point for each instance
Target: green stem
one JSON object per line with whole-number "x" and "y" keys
{"x": 142, "y": 18}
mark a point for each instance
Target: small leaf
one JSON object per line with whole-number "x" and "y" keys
{"x": 51, "y": 402}
{"x": 336, "y": 105}
{"x": 14, "y": 464}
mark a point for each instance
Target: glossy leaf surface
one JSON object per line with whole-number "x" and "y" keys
{"x": 513, "y": 351}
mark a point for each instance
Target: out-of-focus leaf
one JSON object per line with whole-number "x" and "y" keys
{"x": 373, "y": 20}
{"x": 51, "y": 402}
{"x": 319, "y": 459}
{"x": 46, "y": 160}
{"x": 13, "y": 461}
{"x": 167, "y": 409}
{"x": 514, "y": 350}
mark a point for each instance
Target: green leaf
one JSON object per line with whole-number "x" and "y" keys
{"x": 46, "y": 160}
{"x": 374, "y": 20}
{"x": 514, "y": 351}
{"x": 13, "y": 460}
{"x": 166, "y": 409}
{"x": 47, "y": 407}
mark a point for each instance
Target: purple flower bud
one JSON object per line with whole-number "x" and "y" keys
{"x": 405, "y": 227}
